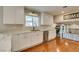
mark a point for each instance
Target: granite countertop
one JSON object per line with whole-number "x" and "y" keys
{"x": 20, "y": 31}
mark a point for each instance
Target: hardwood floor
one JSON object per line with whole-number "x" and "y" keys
{"x": 56, "y": 45}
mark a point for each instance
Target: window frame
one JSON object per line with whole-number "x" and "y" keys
{"x": 32, "y": 20}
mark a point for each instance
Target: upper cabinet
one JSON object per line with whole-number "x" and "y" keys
{"x": 13, "y": 15}
{"x": 46, "y": 19}
{"x": 60, "y": 19}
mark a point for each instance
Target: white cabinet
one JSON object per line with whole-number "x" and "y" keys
{"x": 65, "y": 35}
{"x": 26, "y": 40}
{"x": 21, "y": 41}
{"x": 9, "y": 15}
{"x": 37, "y": 38}
{"x": 13, "y": 15}
{"x": 5, "y": 43}
{"x": 71, "y": 36}
{"x": 46, "y": 19}
{"x": 58, "y": 19}
{"x": 19, "y": 15}
{"x": 52, "y": 35}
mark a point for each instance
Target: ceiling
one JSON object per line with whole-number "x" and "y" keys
{"x": 54, "y": 10}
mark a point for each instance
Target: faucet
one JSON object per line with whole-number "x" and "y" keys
{"x": 34, "y": 27}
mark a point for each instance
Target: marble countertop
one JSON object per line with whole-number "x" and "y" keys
{"x": 23, "y": 31}
{"x": 16, "y": 32}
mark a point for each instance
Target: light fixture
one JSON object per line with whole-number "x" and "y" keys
{"x": 63, "y": 9}
{"x": 65, "y": 6}
{"x": 33, "y": 14}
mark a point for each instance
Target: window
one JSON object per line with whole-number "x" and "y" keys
{"x": 31, "y": 21}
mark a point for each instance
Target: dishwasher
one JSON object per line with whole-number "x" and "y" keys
{"x": 45, "y": 36}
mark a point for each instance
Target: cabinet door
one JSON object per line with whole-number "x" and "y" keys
{"x": 46, "y": 19}
{"x": 65, "y": 36}
{"x": 20, "y": 15}
{"x": 27, "y": 40}
{"x": 51, "y": 20}
{"x": 5, "y": 43}
{"x": 15, "y": 42}
{"x": 13, "y": 15}
{"x": 76, "y": 38}
{"x": 37, "y": 38}
{"x": 52, "y": 35}
{"x": 21, "y": 41}
{"x": 9, "y": 15}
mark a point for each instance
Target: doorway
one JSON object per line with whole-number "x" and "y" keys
{"x": 57, "y": 34}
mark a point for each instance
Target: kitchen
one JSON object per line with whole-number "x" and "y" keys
{"x": 13, "y": 29}
{"x": 18, "y": 33}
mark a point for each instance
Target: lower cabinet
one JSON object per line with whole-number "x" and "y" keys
{"x": 68, "y": 36}
{"x": 71, "y": 36}
{"x": 52, "y": 35}
{"x": 21, "y": 41}
{"x": 5, "y": 43}
{"x": 37, "y": 38}
{"x": 26, "y": 40}
{"x": 65, "y": 36}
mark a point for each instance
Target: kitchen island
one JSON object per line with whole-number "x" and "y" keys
{"x": 71, "y": 36}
